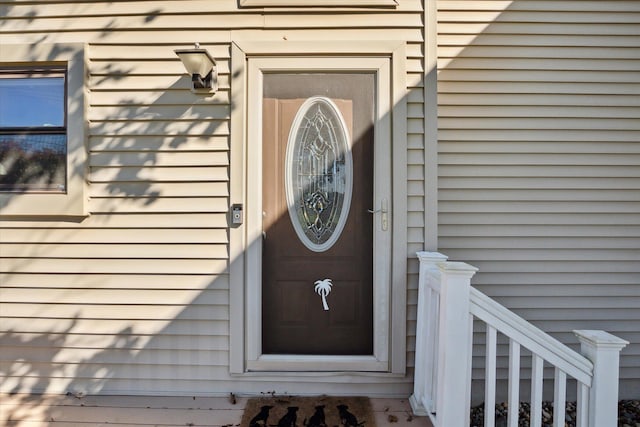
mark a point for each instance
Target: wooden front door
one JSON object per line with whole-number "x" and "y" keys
{"x": 317, "y": 190}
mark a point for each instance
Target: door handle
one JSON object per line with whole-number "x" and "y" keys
{"x": 384, "y": 211}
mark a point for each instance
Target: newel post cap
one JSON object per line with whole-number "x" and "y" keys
{"x": 600, "y": 339}
{"x": 433, "y": 257}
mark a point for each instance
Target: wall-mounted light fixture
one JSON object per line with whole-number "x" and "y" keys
{"x": 202, "y": 68}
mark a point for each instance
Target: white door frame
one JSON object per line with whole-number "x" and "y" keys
{"x": 250, "y": 61}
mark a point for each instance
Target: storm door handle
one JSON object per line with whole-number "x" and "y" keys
{"x": 384, "y": 211}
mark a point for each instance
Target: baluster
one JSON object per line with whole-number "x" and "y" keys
{"x": 514, "y": 383}
{"x": 582, "y": 406}
{"x": 433, "y": 352}
{"x": 490, "y": 378}
{"x": 559, "y": 398}
{"x": 536, "y": 390}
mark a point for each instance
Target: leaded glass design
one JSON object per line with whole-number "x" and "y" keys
{"x": 318, "y": 173}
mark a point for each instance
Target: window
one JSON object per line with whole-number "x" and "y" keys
{"x": 43, "y": 155}
{"x": 33, "y": 135}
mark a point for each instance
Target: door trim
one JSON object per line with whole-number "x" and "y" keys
{"x": 249, "y": 61}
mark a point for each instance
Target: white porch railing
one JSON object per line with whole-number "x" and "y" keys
{"x": 447, "y": 306}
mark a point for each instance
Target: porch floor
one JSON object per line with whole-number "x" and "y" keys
{"x": 131, "y": 411}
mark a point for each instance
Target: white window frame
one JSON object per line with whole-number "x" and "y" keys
{"x": 390, "y": 351}
{"x": 72, "y": 202}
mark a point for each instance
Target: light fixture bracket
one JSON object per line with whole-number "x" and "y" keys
{"x": 202, "y": 68}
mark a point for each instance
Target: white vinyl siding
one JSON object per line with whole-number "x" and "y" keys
{"x": 134, "y": 299}
{"x": 539, "y": 177}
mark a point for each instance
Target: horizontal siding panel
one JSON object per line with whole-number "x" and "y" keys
{"x": 556, "y": 302}
{"x": 152, "y": 173}
{"x": 415, "y": 111}
{"x": 416, "y": 188}
{"x": 535, "y": 207}
{"x": 528, "y": 218}
{"x": 537, "y": 135}
{"x": 353, "y": 20}
{"x": 113, "y": 327}
{"x": 107, "y": 57}
{"x": 162, "y": 342}
{"x": 126, "y": 387}
{"x": 143, "y": 220}
{"x": 106, "y": 235}
{"x": 123, "y": 266}
{"x": 602, "y": 29}
{"x": 415, "y": 172}
{"x": 539, "y": 87}
{"x": 547, "y": 147}
{"x": 415, "y": 142}
{"x": 115, "y": 357}
{"x": 129, "y": 203}
{"x": 217, "y": 21}
{"x": 551, "y": 195}
{"x": 617, "y": 233}
{"x": 517, "y": 253}
{"x": 79, "y": 10}
{"x": 546, "y": 111}
{"x": 525, "y": 267}
{"x": 115, "y": 68}
{"x": 185, "y": 37}
{"x": 538, "y": 123}
{"x": 114, "y": 281}
{"x": 117, "y": 311}
{"x": 162, "y": 189}
{"x": 96, "y": 373}
{"x": 543, "y": 5}
{"x": 116, "y": 296}
{"x": 153, "y": 112}
{"x": 560, "y": 16}
{"x": 542, "y": 64}
{"x": 409, "y": 34}
{"x": 125, "y": 81}
{"x": 594, "y": 185}
{"x": 153, "y": 22}
{"x": 571, "y": 52}
{"x": 573, "y": 287}
{"x": 159, "y": 98}
{"x": 539, "y": 40}
{"x": 415, "y": 157}
{"x": 526, "y": 171}
{"x": 159, "y": 159}
{"x": 578, "y": 159}
{"x": 174, "y": 144}
{"x": 557, "y": 280}
{"x": 102, "y": 250}
{"x": 160, "y": 128}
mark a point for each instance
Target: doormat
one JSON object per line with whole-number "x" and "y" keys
{"x": 321, "y": 411}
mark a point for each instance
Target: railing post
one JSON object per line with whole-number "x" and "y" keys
{"x": 423, "y": 362}
{"x": 454, "y": 345}
{"x": 603, "y": 349}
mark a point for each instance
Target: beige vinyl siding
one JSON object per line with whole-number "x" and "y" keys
{"x": 539, "y": 177}
{"x": 134, "y": 299}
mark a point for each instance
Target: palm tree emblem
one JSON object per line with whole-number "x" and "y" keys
{"x": 323, "y": 288}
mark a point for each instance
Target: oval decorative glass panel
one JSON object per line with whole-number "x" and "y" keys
{"x": 318, "y": 173}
